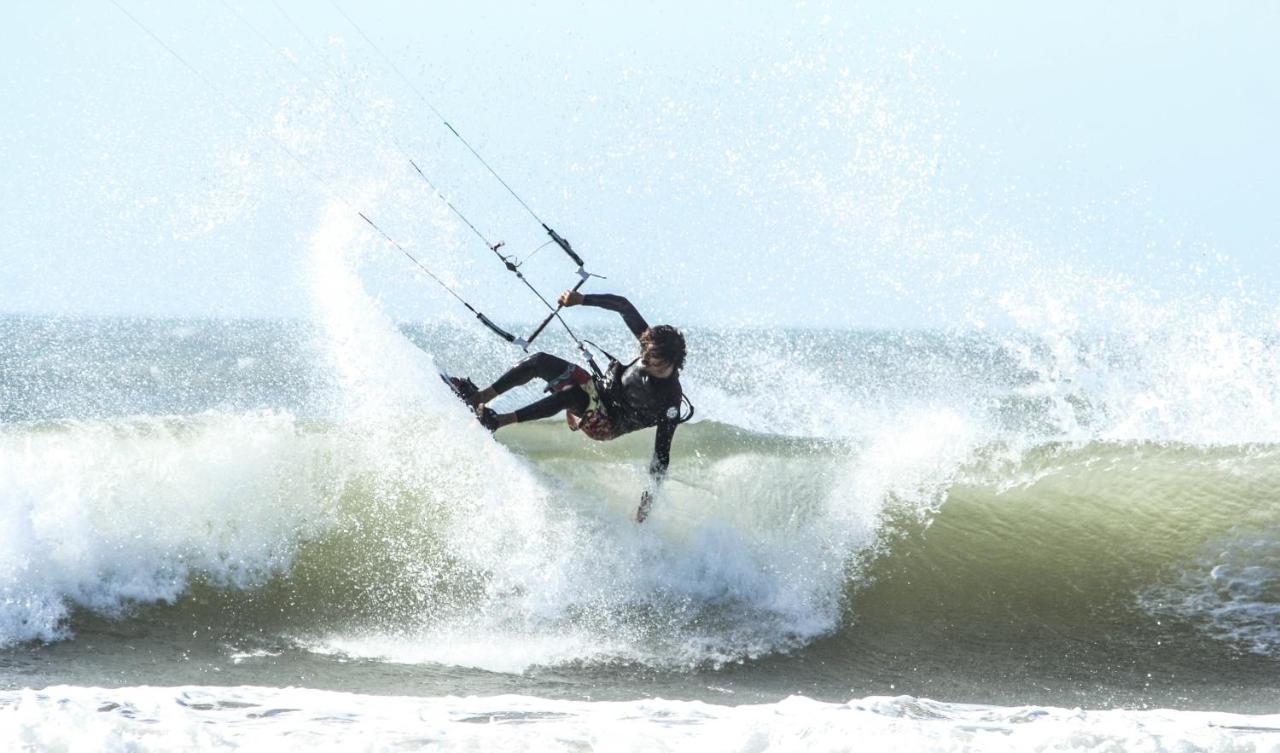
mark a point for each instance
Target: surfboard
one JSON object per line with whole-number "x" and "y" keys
{"x": 464, "y": 388}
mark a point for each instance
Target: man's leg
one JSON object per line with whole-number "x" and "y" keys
{"x": 574, "y": 399}
{"x": 542, "y": 365}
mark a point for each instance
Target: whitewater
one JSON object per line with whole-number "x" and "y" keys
{"x": 227, "y": 533}
{"x": 986, "y": 455}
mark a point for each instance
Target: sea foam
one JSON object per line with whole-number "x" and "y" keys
{"x": 207, "y": 717}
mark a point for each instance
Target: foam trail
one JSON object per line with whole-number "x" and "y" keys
{"x": 421, "y": 455}
{"x": 379, "y": 373}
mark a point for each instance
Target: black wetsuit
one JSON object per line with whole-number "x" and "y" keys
{"x": 632, "y": 399}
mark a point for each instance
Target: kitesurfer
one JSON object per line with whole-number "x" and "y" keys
{"x": 637, "y": 395}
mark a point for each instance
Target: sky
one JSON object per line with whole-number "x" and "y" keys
{"x": 755, "y": 164}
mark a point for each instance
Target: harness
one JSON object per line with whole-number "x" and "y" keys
{"x": 595, "y": 421}
{"x": 614, "y": 363}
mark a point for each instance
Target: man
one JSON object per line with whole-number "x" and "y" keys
{"x": 640, "y": 394}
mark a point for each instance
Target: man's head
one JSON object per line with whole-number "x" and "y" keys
{"x": 662, "y": 350}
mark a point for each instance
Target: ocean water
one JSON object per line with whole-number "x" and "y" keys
{"x": 1053, "y": 524}
{"x": 251, "y": 534}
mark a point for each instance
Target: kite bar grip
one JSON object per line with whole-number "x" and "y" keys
{"x": 552, "y": 315}
{"x": 505, "y": 335}
{"x": 562, "y": 243}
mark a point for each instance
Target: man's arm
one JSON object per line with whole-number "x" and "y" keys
{"x": 635, "y": 322}
{"x": 657, "y": 466}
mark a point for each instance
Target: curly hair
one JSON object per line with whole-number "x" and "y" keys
{"x": 665, "y": 342}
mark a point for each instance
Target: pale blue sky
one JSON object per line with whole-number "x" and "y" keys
{"x": 749, "y": 163}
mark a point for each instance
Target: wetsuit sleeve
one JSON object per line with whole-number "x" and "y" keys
{"x": 635, "y": 322}
{"x": 662, "y": 450}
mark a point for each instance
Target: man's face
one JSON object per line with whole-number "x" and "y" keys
{"x": 654, "y": 366}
